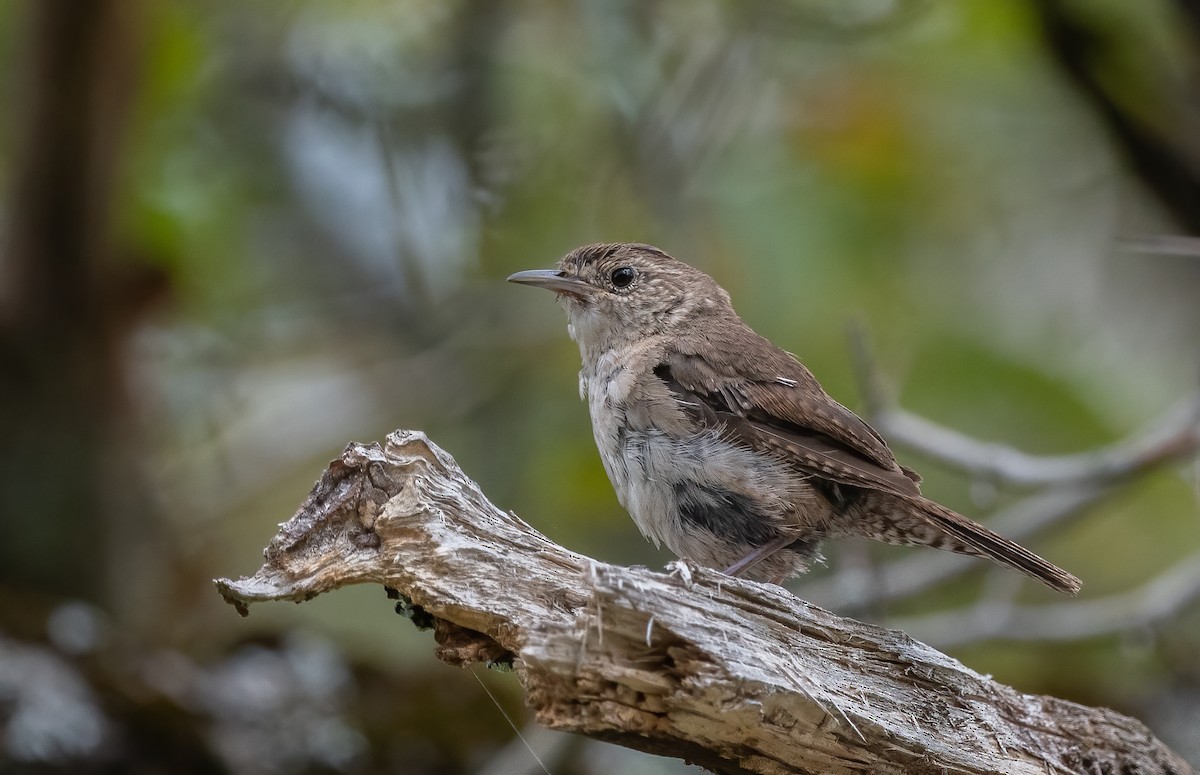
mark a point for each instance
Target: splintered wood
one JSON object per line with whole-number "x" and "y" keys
{"x": 733, "y": 675}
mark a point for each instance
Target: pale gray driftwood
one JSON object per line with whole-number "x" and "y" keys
{"x": 733, "y": 675}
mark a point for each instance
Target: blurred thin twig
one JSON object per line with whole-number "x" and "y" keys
{"x": 1162, "y": 245}
{"x": 1160, "y": 598}
{"x": 1174, "y": 435}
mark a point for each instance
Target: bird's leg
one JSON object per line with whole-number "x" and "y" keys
{"x": 761, "y": 553}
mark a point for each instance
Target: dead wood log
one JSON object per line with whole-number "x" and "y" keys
{"x": 733, "y": 675}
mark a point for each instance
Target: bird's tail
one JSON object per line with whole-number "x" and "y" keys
{"x": 965, "y": 536}
{"x": 908, "y": 520}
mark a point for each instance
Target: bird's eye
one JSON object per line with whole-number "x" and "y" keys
{"x": 622, "y": 277}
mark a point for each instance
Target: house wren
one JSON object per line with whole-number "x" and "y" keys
{"x": 725, "y": 447}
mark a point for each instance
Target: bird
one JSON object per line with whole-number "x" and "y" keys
{"x": 723, "y": 446}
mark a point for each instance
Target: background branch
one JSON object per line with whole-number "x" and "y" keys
{"x": 1160, "y": 598}
{"x": 1174, "y": 435}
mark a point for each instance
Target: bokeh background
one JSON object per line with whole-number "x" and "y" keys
{"x": 236, "y": 236}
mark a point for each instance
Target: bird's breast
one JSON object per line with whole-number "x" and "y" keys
{"x": 606, "y": 386}
{"x": 660, "y": 463}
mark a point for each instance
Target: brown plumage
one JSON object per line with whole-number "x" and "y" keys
{"x": 724, "y": 446}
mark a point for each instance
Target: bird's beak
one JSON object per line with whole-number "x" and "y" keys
{"x": 553, "y": 280}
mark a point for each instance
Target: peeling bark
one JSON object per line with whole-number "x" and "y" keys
{"x": 734, "y": 675}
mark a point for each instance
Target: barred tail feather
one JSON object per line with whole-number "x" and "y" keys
{"x": 975, "y": 539}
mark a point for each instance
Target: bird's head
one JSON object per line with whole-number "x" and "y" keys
{"x": 620, "y": 293}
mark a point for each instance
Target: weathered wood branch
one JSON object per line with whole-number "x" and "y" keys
{"x": 733, "y": 675}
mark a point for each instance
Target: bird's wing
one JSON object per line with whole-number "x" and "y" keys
{"x": 770, "y": 401}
